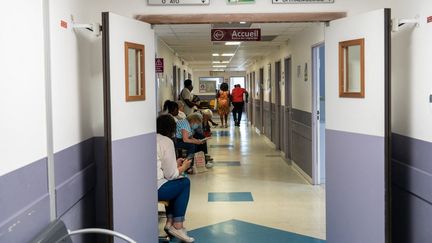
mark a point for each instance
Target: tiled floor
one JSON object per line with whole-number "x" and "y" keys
{"x": 285, "y": 208}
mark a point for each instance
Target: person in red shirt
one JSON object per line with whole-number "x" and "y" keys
{"x": 238, "y": 102}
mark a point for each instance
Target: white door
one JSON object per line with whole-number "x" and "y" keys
{"x": 357, "y": 133}
{"x": 130, "y": 130}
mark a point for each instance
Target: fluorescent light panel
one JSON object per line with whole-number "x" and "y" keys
{"x": 215, "y": 54}
{"x": 227, "y": 54}
{"x": 219, "y": 66}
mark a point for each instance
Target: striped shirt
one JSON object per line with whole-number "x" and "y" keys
{"x": 183, "y": 125}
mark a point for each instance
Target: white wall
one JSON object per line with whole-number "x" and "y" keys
{"x": 76, "y": 57}
{"x": 166, "y": 79}
{"x": 22, "y": 85}
{"x": 412, "y": 72}
{"x": 300, "y": 50}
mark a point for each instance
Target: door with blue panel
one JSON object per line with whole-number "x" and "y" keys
{"x": 130, "y": 126}
{"x": 358, "y": 128}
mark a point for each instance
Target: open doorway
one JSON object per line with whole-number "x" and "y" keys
{"x": 318, "y": 114}
{"x": 237, "y": 80}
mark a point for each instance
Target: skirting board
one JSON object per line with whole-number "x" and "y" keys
{"x": 301, "y": 172}
{"x": 267, "y": 140}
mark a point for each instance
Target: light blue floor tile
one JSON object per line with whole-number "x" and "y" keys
{"x": 230, "y": 197}
{"x": 235, "y": 231}
{"x": 222, "y": 133}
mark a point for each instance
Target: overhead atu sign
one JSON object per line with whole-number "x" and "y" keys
{"x": 236, "y": 34}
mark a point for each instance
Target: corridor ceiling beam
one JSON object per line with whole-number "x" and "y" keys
{"x": 240, "y": 17}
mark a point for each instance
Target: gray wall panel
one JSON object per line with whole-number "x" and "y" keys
{"x": 72, "y": 160}
{"x": 135, "y": 187}
{"x": 302, "y": 130}
{"x": 355, "y": 187}
{"x": 267, "y": 119}
{"x": 101, "y": 180}
{"x": 301, "y": 146}
{"x": 74, "y": 189}
{"x": 26, "y": 223}
{"x": 411, "y": 217}
{"x": 82, "y": 215}
{"x": 411, "y": 189}
{"x": 274, "y": 129}
{"x": 413, "y": 180}
{"x": 22, "y": 187}
{"x": 413, "y": 152}
{"x": 302, "y": 152}
{"x": 302, "y": 117}
{"x": 257, "y": 115}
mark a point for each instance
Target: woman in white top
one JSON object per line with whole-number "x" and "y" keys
{"x": 171, "y": 187}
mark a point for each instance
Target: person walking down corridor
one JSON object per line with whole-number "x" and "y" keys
{"x": 238, "y": 102}
{"x": 223, "y": 104}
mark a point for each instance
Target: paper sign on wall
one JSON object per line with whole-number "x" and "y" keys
{"x": 159, "y": 65}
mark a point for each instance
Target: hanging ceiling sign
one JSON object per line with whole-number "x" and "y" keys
{"x": 177, "y": 2}
{"x": 301, "y": 1}
{"x": 235, "y": 34}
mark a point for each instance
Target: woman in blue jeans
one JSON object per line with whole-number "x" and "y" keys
{"x": 172, "y": 187}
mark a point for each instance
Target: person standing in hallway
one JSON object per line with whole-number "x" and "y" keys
{"x": 223, "y": 104}
{"x": 186, "y": 97}
{"x": 171, "y": 186}
{"x": 238, "y": 102}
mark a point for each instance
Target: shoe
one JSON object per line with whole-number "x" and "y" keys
{"x": 180, "y": 234}
{"x": 226, "y": 126}
{"x": 166, "y": 229}
{"x": 209, "y": 165}
{"x": 208, "y": 158}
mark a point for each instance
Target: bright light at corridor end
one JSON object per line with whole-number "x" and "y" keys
{"x": 232, "y": 43}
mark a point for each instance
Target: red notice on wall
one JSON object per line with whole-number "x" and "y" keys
{"x": 63, "y": 24}
{"x": 159, "y": 65}
{"x": 429, "y": 19}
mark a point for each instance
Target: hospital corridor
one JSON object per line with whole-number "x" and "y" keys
{"x": 215, "y": 121}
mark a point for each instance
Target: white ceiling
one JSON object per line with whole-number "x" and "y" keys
{"x": 192, "y": 43}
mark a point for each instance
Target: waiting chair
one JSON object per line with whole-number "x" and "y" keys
{"x": 162, "y": 214}
{"x": 56, "y": 232}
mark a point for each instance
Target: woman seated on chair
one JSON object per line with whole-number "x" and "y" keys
{"x": 171, "y": 187}
{"x": 185, "y": 131}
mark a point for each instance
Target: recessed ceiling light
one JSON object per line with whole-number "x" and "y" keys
{"x": 242, "y": 22}
{"x": 227, "y": 54}
{"x": 215, "y": 54}
{"x": 225, "y": 62}
{"x": 219, "y": 66}
{"x": 232, "y": 43}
